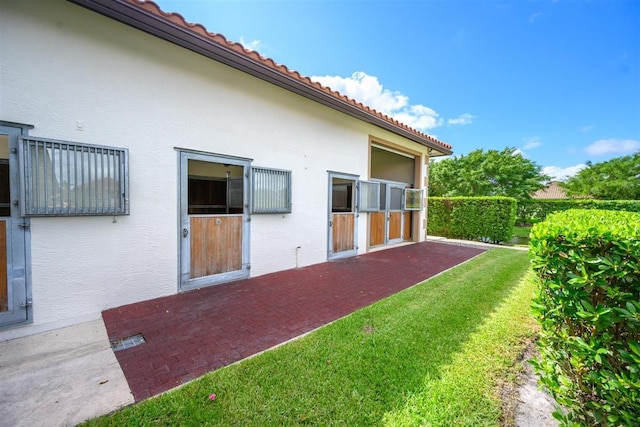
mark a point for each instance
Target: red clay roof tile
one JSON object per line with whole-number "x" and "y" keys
{"x": 178, "y": 19}
{"x": 551, "y": 191}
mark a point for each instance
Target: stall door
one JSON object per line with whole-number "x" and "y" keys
{"x": 342, "y": 216}
{"x": 214, "y": 219}
{"x": 392, "y": 223}
{"x": 14, "y": 297}
{"x": 395, "y": 216}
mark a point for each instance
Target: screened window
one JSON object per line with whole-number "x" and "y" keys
{"x": 395, "y": 198}
{"x": 369, "y": 196}
{"x": 270, "y": 191}
{"x": 61, "y": 178}
{"x": 413, "y": 199}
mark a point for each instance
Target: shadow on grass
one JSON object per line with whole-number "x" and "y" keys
{"x": 353, "y": 371}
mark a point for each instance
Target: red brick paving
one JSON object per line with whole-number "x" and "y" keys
{"x": 195, "y": 332}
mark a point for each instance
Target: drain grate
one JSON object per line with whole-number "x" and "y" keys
{"x": 128, "y": 342}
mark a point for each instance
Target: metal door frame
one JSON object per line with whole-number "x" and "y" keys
{"x": 354, "y": 251}
{"x": 18, "y": 239}
{"x": 401, "y": 186}
{"x": 387, "y": 210}
{"x": 184, "y": 249}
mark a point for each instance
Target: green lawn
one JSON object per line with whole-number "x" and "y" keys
{"x": 431, "y": 355}
{"x": 521, "y": 231}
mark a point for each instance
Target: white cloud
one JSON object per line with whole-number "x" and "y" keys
{"x": 531, "y": 142}
{"x": 534, "y": 17}
{"x": 251, "y": 45}
{"x": 368, "y": 90}
{"x": 561, "y": 174}
{"x": 586, "y": 128}
{"x": 603, "y": 147}
{"x": 463, "y": 119}
{"x": 518, "y": 151}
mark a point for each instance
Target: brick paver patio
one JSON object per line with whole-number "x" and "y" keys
{"x": 194, "y": 332}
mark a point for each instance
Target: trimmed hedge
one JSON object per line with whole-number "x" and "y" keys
{"x": 472, "y": 218}
{"x": 530, "y": 211}
{"x": 587, "y": 264}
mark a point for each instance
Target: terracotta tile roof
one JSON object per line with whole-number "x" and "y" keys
{"x": 199, "y": 30}
{"x": 552, "y": 191}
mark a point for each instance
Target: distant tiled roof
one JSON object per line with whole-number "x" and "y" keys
{"x": 552, "y": 191}
{"x": 174, "y": 28}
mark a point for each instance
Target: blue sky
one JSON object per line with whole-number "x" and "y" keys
{"x": 558, "y": 80}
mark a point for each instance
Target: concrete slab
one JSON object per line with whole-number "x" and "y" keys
{"x": 61, "y": 377}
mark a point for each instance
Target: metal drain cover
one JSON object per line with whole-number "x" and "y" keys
{"x": 128, "y": 342}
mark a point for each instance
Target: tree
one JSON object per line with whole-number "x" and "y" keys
{"x": 616, "y": 179}
{"x": 486, "y": 173}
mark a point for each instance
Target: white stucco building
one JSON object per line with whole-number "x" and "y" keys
{"x": 142, "y": 156}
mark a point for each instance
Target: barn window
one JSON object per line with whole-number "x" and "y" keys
{"x": 369, "y": 196}
{"x": 61, "y": 178}
{"x": 413, "y": 199}
{"x": 270, "y": 191}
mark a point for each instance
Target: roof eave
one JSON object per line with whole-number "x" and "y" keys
{"x": 148, "y": 22}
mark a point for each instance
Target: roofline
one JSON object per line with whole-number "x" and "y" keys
{"x": 173, "y": 28}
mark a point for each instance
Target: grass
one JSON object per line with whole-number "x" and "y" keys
{"x": 432, "y": 355}
{"x": 522, "y": 232}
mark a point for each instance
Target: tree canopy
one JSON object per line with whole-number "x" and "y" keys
{"x": 616, "y": 179}
{"x": 486, "y": 173}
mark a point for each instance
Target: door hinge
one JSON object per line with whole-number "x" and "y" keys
{"x": 27, "y": 303}
{"x": 24, "y": 224}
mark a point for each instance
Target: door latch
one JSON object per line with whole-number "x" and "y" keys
{"x": 185, "y": 232}
{"x": 27, "y": 303}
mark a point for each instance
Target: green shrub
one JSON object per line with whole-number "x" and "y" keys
{"x": 472, "y": 218}
{"x": 533, "y": 211}
{"x": 587, "y": 263}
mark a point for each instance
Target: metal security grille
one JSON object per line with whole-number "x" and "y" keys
{"x": 61, "y": 178}
{"x": 271, "y": 191}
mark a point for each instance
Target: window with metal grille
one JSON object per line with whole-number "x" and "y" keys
{"x": 369, "y": 196}
{"x": 61, "y": 178}
{"x": 270, "y": 191}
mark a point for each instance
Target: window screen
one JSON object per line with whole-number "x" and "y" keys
{"x": 61, "y": 178}
{"x": 369, "y": 196}
{"x": 395, "y": 198}
{"x": 413, "y": 199}
{"x": 236, "y": 193}
{"x": 270, "y": 191}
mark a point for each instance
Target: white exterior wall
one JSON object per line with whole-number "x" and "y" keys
{"x": 78, "y": 76}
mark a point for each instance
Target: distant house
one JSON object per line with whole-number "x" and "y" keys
{"x": 144, "y": 156}
{"x": 552, "y": 191}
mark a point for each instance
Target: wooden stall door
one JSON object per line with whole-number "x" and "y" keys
{"x": 377, "y": 231}
{"x": 214, "y": 224}
{"x": 342, "y": 216}
{"x": 342, "y": 232}
{"x": 216, "y": 245}
{"x": 395, "y": 225}
{"x": 406, "y": 235}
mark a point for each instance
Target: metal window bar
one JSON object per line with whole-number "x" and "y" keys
{"x": 271, "y": 191}
{"x": 62, "y": 178}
